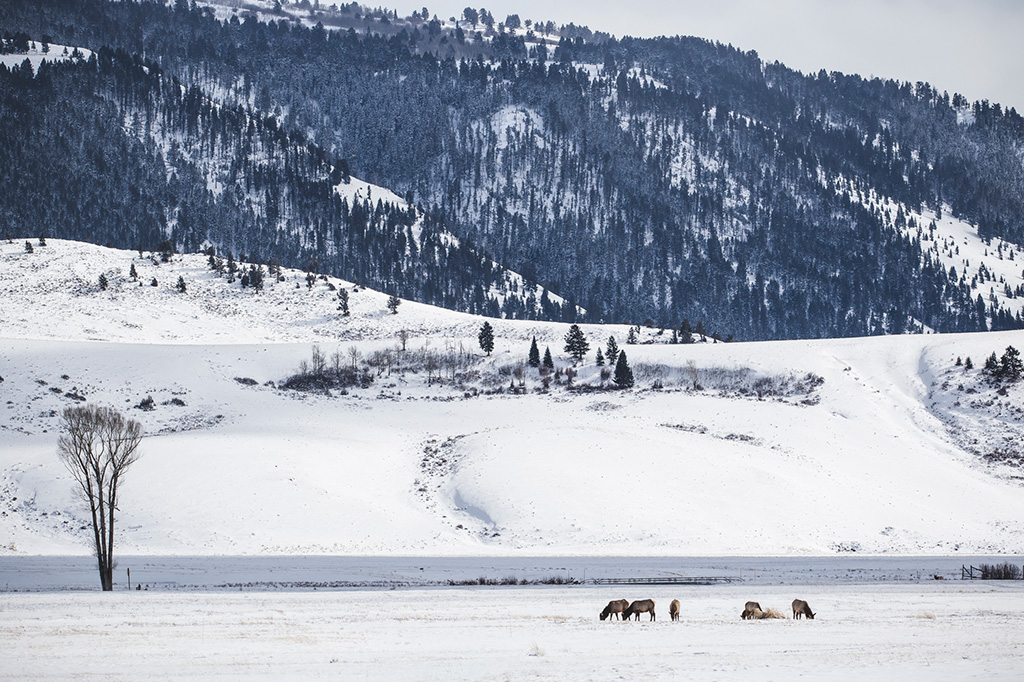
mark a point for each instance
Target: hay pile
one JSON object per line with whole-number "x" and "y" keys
{"x": 767, "y": 613}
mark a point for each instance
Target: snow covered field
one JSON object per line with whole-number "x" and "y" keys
{"x": 810, "y": 453}
{"x": 939, "y": 631}
{"x": 886, "y": 454}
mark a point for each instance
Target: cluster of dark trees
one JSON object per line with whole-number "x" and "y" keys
{"x": 679, "y": 179}
{"x": 1008, "y": 368}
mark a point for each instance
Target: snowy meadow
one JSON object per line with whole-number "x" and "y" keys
{"x": 942, "y": 630}
{"x": 281, "y": 532}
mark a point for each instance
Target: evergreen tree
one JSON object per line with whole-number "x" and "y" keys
{"x": 343, "y": 302}
{"x": 133, "y": 273}
{"x": 181, "y": 284}
{"x": 600, "y": 357}
{"x": 548, "y": 363}
{"x": 968, "y": 363}
{"x": 576, "y": 343}
{"x": 393, "y": 303}
{"x": 1010, "y": 365}
{"x": 256, "y": 277}
{"x": 991, "y": 367}
{"x": 534, "y": 358}
{"x": 103, "y": 282}
{"x": 486, "y": 338}
{"x": 631, "y": 336}
{"x": 28, "y": 247}
{"x": 623, "y": 374}
{"x": 611, "y": 350}
{"x": 685, "y": 332}
{"x": 166, "y": 249}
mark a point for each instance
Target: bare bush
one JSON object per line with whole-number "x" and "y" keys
{"x": 733, "y": 381}
{"x": 319, "y": 376}
{"x": 1004, "y": 571}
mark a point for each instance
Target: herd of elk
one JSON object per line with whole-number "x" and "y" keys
{"x": 751, "y": 610}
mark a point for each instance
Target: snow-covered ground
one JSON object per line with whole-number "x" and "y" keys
{"x": 885, "y": 455}
{"x": 44, "y": 52}
{"x": 939, "y": 631}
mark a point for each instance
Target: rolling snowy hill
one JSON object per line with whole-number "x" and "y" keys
{"x": 878, "y": 445}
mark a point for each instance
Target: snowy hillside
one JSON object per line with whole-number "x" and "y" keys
{"x": 880, "y": 445}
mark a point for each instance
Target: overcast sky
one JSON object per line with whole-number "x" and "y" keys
{"x": 975, "y": 47}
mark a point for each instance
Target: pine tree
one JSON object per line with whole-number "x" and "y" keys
{"x": 685, "y": 332}
{"x": 968, "y": 363}
{"x": 256, "y": 277}
{"x": 181, "y": 284}
{"x": 991, "y": 365}
{"x": 343, "y": 302}
{"x": 486, "y": 338}
{"x": 611, "y": 350}
{"x": 631, "y": 336}
{"x": 534, "y": 358}
{"x": 103, "y": 282}
{"x": 600, "y": 357}
{"x": 576, "y": 343}
{"x": 548, "y": 362}
{"x": 393, "y": 303}
{"x": 623, "y": 374}
{"x": 133, "y": 273}
{"x": 166, "y": 249}
{"x": 1010, "y": 366}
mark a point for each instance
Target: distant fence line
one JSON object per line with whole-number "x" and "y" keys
{"x": 670, "y": 580}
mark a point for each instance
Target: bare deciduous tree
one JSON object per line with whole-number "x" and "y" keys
{"x": 318, "y": 363}
{"x": 98, "y": 445}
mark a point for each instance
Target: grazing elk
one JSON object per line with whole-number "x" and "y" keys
{"x": 801, "y": 608}
{"x": 614, "y": 608}
{"x": 673, "y": 609}
{"x": 751, "y": 610}
{"x": 638, "y": 607}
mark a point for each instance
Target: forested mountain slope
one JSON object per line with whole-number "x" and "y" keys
{"x": 669, "y": 179}
{"x": 112, "y": 150}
